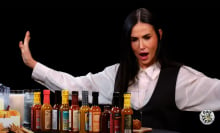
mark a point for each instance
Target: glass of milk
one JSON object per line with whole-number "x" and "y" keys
{"x": 16, "y": 98}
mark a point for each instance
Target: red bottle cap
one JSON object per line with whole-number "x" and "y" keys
{"x": 46, "y": 96}
{"x": 46, "y": 92}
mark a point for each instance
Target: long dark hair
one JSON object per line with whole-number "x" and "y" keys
{"x": 129, "y": 66}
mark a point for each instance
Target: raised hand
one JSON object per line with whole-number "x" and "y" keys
{"x": 25, "y": 51}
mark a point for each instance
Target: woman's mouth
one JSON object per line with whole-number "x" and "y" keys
{"x": 143, "y": 56}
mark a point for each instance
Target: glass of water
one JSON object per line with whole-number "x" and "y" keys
{"x": 28, "y": 102}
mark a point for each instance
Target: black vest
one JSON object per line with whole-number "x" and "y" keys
{"x": 161, "y": 111}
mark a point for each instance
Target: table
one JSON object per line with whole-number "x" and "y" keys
{"x": 150, "y": 130}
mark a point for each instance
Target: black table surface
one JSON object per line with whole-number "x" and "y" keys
{"x": 161, "y": 131}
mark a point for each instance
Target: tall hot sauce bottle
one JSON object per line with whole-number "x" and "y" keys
{"x": 64, "y": 112}
{"x": 46, "y": 112}
{"x": 55, "y": 111}
{"x": 35, "y": 112}
{"x": 74, "y": 113}
{"x": 105, "y": 119}
{"x": 94, "y": 114}
{"x": 84, "y": 113}
{"x": 115, "y": 116}
{"x": 127, "y": 115}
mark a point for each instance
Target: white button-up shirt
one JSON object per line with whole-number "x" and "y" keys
{"x": 194, "y": 90}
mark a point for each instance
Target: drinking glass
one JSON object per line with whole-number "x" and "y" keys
{"x": 28, "y": 102}
{"x": 16, "y": 98}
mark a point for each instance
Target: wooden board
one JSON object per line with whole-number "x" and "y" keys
{"x": 142, "y": 130}
{"x": 26, "y": 130}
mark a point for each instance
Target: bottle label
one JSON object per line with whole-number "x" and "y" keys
{"x": 108, "y": 123}
{"x": 127, "y": 131}
{"x": 48, "y": 115}
{"x": 79, "y": 120}
{"x": 76, "y": 121}
{"x": 37, "y": 119}
{"x": 32, "y": 117}
{"x": 1, "y": 104}
{"x": 90, "y": 121}
{"x": 128, "y": 123}
{"x": 65, "y": 120}
{"x": 70, "y": 119}
{"x": 54, "y": 119}
{"x": 59, "y": 119}
{"x": 96, "y": 121}
{"x": 111, "y": 123}
{"x": 117, "y": 123}
{"x": 86, "y": 121}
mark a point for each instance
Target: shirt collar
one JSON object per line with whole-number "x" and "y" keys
{"x": 152, "y": 71}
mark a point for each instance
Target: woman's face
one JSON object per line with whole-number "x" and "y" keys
{"x": 144, "y": 41}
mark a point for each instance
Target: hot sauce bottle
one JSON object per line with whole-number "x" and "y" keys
{"x": 84, "y": 113}
{"x": 55, "y": 111}
{"x": 105, "y": 119}
{"x": 94, "y": 114}
{"x": 74, "y": 113}
{"x": 127, "y": 115}
{"x": 35, "y": 112}
{"x": 115, "y": 116}
{"x": 46, "y": 112}
{"x": 64, "y": 112}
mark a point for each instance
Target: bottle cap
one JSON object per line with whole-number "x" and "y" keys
{"x": 46, "y": 91}
{"x": 37, "y": 93}
{"x": 37, "y": 97}
{"x": 85, "y": 93}
{"x": 127, "y": 95}
{"x": 74, "y": 92}
{"x": 57, "y": 93}
{"x": 65, "y": 92}
{"x": 107, "y": 106}
{"x": 57, "y": 97}
{"x": 116, "y": 94}
{"x": 95, "y": 93}
{"x": 84, "y": 97}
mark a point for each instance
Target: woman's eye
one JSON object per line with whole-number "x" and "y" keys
{"x": 147, "y": 37}
{"x": 133, "y": 39}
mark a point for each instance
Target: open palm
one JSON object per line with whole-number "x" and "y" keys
{"x": 25, "y": 51}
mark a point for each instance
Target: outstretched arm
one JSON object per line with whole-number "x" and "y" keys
{"x": 25, "y": 51}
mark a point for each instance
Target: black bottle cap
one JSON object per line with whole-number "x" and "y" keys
{"x": 94, "y": 93}
{"x": 75, "y": 93}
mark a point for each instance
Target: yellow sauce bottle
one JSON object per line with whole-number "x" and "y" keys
{"x": 127, "y": 115}
{"x": 64, "y": 112}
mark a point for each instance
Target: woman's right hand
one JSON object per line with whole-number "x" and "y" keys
{"x": 25, "y": 51}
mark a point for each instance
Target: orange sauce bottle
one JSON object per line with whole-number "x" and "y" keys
{"x": 46, "y": 112}
{"x": 84, "y": 113}
{"x": 74, "y": 118}
{"x": 35, "y": 112}
{"x": 94, "y": 114}
{"x": 127, "y": 115}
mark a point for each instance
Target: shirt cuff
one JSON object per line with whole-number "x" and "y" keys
{"x": 39, "y": 72}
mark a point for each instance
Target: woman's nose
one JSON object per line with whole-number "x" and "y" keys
{"x": 141, "y": 44}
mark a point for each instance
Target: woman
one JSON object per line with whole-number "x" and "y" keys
{"x": 161, "y": 91}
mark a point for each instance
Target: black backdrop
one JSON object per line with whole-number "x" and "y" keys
{"x": 82, "y": 40}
